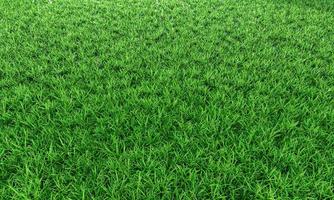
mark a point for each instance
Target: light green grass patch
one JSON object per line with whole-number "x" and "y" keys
{"x": 150, "y": 99}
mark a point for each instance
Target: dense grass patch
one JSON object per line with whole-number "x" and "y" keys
{"x": 166, "y": 99}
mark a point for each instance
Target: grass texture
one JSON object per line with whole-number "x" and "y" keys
{"x": 166, "y": 99}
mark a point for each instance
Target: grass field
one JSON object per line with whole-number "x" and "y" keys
{"x": 166, "y": 99}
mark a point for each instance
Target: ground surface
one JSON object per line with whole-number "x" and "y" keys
{"x": 166, "y": 99}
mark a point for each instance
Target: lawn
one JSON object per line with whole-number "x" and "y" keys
{"x": 166, "y": 99}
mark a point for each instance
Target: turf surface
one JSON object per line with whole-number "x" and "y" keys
{"x": 166, "y": 99}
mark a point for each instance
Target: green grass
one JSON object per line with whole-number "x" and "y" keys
{"x": 166, "y": 99}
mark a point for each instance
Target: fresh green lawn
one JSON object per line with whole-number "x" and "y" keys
{"x": 166, "y": 99}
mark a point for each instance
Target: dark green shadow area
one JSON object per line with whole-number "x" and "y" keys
{"x": 323, "y": 5}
